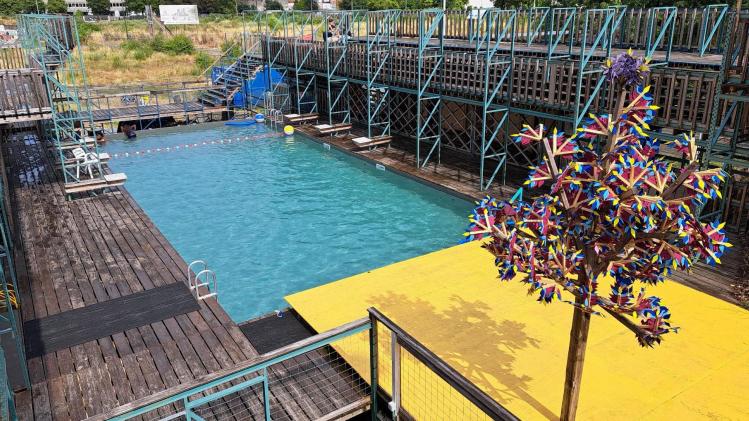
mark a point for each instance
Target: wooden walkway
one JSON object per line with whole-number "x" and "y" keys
{"x": 463, "y": 180}
{"x": 73, "y": 254}
{"x": 541, "y": 50}
{"x": 153, "y": 111}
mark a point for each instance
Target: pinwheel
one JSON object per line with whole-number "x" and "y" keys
{"x": 614, "y": 212}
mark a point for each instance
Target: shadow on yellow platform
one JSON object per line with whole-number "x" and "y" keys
{"x": 515, "y": 349}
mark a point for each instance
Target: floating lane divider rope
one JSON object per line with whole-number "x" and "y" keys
{"x": 195, "y": 145}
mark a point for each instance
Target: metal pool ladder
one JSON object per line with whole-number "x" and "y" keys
{"x": 204, "y": 277}
{"x": 275, "y": 117}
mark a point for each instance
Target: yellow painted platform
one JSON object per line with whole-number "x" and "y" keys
{"x": 515, "y": 348}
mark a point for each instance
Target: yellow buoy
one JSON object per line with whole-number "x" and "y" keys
{"x": 289, "y": 130}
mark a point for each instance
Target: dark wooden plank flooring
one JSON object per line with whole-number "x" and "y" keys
{"x": 75, "y": 254}
{"x": 79, "y": 253}
{"x": 103, "y": 319}
{"x": 271, "y": 332}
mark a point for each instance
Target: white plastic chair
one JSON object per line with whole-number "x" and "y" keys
{"x": 84, "y": 160}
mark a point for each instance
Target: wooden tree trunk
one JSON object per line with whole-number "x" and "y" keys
{"x": 575, "y": 361}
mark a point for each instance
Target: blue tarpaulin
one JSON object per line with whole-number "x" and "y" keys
{"x": 255, "y": 88}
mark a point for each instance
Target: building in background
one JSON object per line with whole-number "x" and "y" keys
{"x": 117, "y": 6}
{"x": 289, "y": 4}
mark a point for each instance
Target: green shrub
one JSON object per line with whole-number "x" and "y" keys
{"x": 140, "y": 50}
{"x": 202, "y": 62}
{"x": 85, "y": 29}
{"x": 118, "y": 63}
{"x": 142, "y": 54}
{"x": 131, "y": 45}
{"x": 178, "y": 44}
{"x": 158, "y": 43}
{"x": 233, "y": 49}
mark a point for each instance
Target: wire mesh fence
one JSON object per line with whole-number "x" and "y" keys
{"x": 307, "y": 380}
{"x": 420, "y": 385}
{"x": 330, "y": 376}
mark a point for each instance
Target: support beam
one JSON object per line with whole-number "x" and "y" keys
{"x": 495, "y": 28}
{"x": 429, "y": 74}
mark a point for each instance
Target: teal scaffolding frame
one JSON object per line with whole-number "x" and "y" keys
{"x": 380, "y": 39}
{"x": 276, "y": 23}
{"x": 429, "y": 74}
{"x": 9, "y": 321}
{"x": 495, "y": 27}
{"x": 339, "y": 27}
{"x": 51, "y": 42}
{"x": 305, "y": 26}
{"x": 603, "y": 20}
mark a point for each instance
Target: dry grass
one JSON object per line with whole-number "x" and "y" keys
{"x": 208, "y": 35}
{"x": 106, "y": 67}
{"x": 107, "y": 63}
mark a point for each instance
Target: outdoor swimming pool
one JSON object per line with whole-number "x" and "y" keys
{"x": 276, "y": 215}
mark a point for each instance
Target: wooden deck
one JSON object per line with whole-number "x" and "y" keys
{"x": 74, "y": 254}
{"x": 715, "y": 281}
{"x": 541, "y": 50}
{"x": 153, "y": 111}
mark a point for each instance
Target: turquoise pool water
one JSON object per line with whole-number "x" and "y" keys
{"x": 276, "y": 215}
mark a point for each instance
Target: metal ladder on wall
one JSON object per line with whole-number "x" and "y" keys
{"x": 204, "y": 278}
{"x": 275, "y": 117}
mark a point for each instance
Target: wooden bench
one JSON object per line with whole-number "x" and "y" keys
{"x": 300, "y": 118}
{"x": 109, "y": 180}
{"x": 371, "y": 144}
{"x": 334, "y": 129}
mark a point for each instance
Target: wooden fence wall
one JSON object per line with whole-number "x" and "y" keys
{"x": 632, "y": 32}
{"x": 686, "y": 97}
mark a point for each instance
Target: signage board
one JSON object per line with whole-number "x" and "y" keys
{"x": 183, "y": 14}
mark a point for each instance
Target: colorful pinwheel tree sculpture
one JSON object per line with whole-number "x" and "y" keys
{"x": 615, "y": 214}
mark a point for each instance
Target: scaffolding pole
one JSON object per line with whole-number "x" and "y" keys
{"x": 304, "y": 28}
{"x": 429, "y": 72}
{"x": 276, "y": 24}
{"x": 339, "y": 27}
{"x": 495, "y": 27}
{"x": 9, "y": 321}
{"x": 380, "y": 38}
{"x": 602, "y": 22}
{"x": 52, "y": 44}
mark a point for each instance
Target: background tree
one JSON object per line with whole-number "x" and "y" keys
{"x": 56, "y": 6}
{"x": 14, "y": 7}
{"x": 614, "y": 212}
{"x": 139, "y": 6}
{"x": 273, "y": 5}
{"x": 306, "y": 5}
{"x": 99, "y": 7}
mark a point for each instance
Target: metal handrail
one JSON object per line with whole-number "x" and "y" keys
{"x": 189, "y": 268}
{"x": 257, "y": 365}
{"x": 208, "y": 276}
{"x": 462, "y": 385}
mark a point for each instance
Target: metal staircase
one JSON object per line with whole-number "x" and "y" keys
{"x": 233, "y": 73}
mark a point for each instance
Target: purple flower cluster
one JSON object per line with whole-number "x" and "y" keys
{"x": 626, "y": 69}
